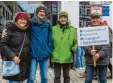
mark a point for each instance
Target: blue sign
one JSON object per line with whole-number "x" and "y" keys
{"x": 106, "y": 10}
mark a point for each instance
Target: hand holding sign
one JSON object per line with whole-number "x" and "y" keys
{"x": 96, "y": 57}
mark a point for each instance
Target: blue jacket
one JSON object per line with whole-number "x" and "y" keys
{"x": 41, "y": 40}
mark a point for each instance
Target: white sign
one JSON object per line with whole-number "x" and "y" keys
{"x": 96, "y": 9}
{"x": 95, "y": 2}
{"x": 100, "y": 2}
{"x": 88, "y": 36}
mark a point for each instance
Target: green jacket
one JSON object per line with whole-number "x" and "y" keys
{"x": 64, "y": 41}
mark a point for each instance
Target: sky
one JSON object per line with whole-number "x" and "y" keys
{"x": 30, "y": 8}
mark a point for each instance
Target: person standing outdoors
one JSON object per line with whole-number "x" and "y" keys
{"x": 65, "y": 44}
{"x": 100, "y": 54}
{"x": 41, "y": 44}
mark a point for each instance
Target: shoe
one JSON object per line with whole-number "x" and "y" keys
{"x": 109, "y": 77}
{"x": 73, "y": 68}
{"x": 95, "y": 77}
{"x": 83, "y": 75}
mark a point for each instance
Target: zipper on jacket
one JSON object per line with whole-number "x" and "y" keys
{"x": 69, "y": 34}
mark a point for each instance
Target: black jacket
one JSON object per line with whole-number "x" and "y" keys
{"x": 10, "y": 47}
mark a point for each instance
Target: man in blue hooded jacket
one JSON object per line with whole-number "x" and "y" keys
{"x": 41, "y": 44}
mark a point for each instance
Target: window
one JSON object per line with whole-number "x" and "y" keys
{"x": 11, "y": 17}
{"x": 54, "y": 9}
{"x": 87, "y": 23}
{"x": 88, "y": 12}
{"x": 6, "y": 14}
{"x": 80, "y": 11}
{"x": 80, "y": 24}
{"x": 3, "y": 11}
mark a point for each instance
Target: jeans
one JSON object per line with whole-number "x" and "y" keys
{"x": 15, "y": 81}
{"x": 101, "y": 73}
{"x": 57, "y": 71}
{"x": 43, "y": 64}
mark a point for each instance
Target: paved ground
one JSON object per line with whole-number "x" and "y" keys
{"x": 75, "y": 77}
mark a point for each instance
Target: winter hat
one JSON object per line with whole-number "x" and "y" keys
{"x": 41, "y": 7}
{"x": 95, "y": 15}
{"x": 63, "y": 13}
{"x": 22, "y": 15}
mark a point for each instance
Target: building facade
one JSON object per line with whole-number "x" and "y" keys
{"x": 7, "y": 12}
{"x": 52, "y": 14}
{"x": 84, "y": 13}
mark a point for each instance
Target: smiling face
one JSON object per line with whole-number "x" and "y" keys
{"x": 63, "y": 20}
{"x": 22, "y": 22}
{"x": 95, "y": 21}
{"x": 41, "y": 14}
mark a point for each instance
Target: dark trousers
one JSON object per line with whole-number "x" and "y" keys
{"x": 50, "y": 62}
{"x": 57, "y": 71}
{"x": 72, "y": 64}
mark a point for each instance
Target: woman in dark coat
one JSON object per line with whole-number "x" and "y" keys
{"x": 11, "y": 45}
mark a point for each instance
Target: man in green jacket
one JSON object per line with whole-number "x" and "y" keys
{"x": 65, "y": 43}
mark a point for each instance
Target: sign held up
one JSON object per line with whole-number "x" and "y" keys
{"x": 88, "y": 36}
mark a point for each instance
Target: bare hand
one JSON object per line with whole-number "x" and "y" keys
{"x": 4, "y": 33}
{"x": 16, "y": 60}
{"x": 93, "y": 52}
{"x": 96, "y": 57}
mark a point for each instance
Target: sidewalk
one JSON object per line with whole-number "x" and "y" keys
{"x": 75, "y": 76}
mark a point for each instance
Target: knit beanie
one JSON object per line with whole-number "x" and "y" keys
{"x": 41, "y": 7}
{"x": 95, "y": 15}
{"x": 63, "y": 13}
{"x": 22, "y": 15}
